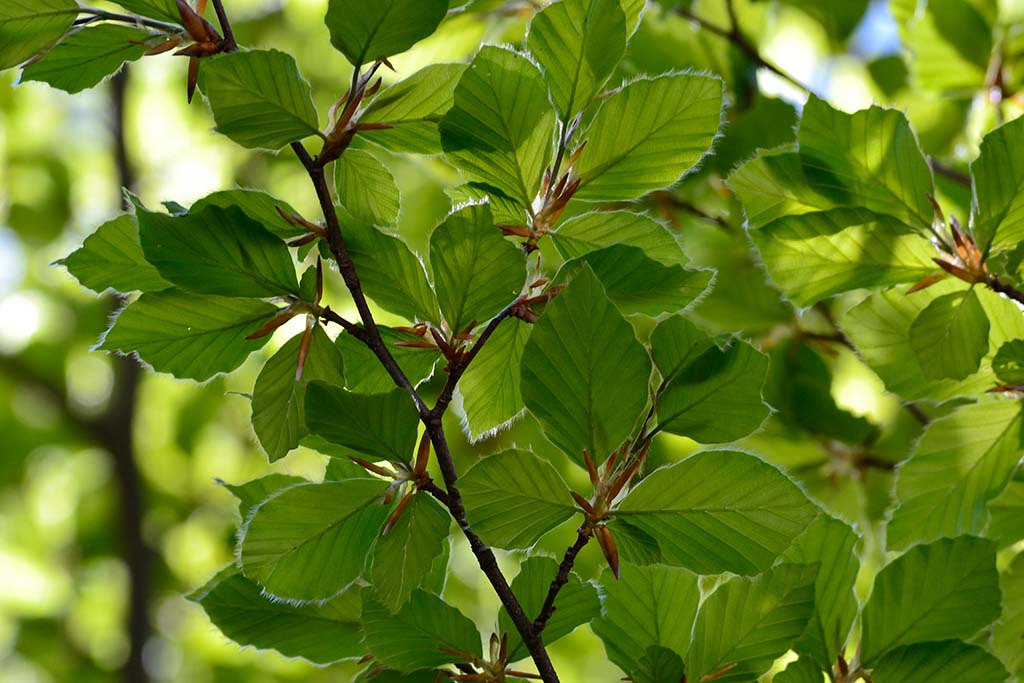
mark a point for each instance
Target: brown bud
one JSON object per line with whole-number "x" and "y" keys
{"x": 611, "y": 553}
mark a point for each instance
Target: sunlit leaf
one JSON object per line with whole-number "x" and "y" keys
{"x": 112, "y": 258}
{"x": 366, "y": 188}
{"x": 367, "y": 31}
{"x": 402, "y": 559}
{"x": 29, "y": 26}
{"x": 950, "y": 336}
{"x": 88, "y": 56}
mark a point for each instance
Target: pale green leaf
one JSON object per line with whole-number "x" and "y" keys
{"x": 1008, "y": 632}
{"x": 364, "y": 373}
{"x": 951, "y": 660}
{"x": 86, "y": 57}
{"x": 367, "y": 31}
{"x": 762, "y": 617}
{"x": 648, "y": 135}
{"x": 311, "y": 541}
{"x": 716, "y": 397}
{"x": 366, "y": 188}
{"x": 416, "y": 637}
{"x": 500, "y": 126}
{"x": 961, "y": 463}
{"x": 951, "y": 44}
{"x": 947, "y": 589}
{"x": 477, "y": 272}
{"x": 112, "y": 258}
{"x": 414, "y": 108}
{"x": 380, "y": 425}
{"x": 489, "y": 394}
{"x": 998, "y": 183}
{"x": 950, "y": 336}
{"x": 278, "y": 398}
{"x": 1008, "y": 363}
{"x": 1006, "y": 513}
{"x": 592, "y": 231}
{"x": 646, "y": 607}
{"x": 577, "y": 43}
{"x": 252, "y": 493}
{"x": 771, "y": 186}
{"x": 802, "y": 671}
{"x": 584, "y": 374}
{"x": 869, "y": 159}
{"x": 257, "y": 205}
{"x": 30, "y": 26}
{"x": 217, "y": 251}
{"x": 259, "y": 99}
{"x": 402, "y": 559}
{"x": 816, "y": 255}
{"x": 514, "y": 498}
{"x": 320, "y": 633}
{"x": 743, "y": 515}
{"x": 187, "y": 335}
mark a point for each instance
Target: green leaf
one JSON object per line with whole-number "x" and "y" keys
{"x": 716, "y": 397}
{"x": 500, "y": 126}
{"x": 645, "y": 608}
{"x": 88, "y": 56}
{"x": 950, "y": 336}
{"x": 773, "y": 185}
{"x": 477, "y": 272}
{"x": 320, "y": 633}
{"x": 838, "y": 17}
{"x": 676, "y": 343}
{"x": 1008, "y": 632}
{"x": 801, "y": 671}
{"x": 402, "y": 559}
{"x": 659, "y": 665}
{"x": 252, "y": 493}
{"x": 413, "y": 639}
{"x": 390, "y": 272}
{"x": 414, "y": 108}
{"x": 311, "y": 541}
{"x": 815, "y": 255}
{"x": 30, "y": 26}
{"x": 577, "y": 43}
{"x": 584, "y": 374}
{"x": 951, "y": 660}
{"x": 1008, "y": 363}
{"x": 364, "y": 373}
{"x": 869, "y": 159}
{"x": 514, "y": 498}
{"x": 998, "y": 184}
{"x": 217, "y": 251}
{"x": 577, "y": 603}
{"x": 672, "y": 122}
{"x": 366, "y": 188}
{"x": 638, "y": 284}
{"x": 166, "y": 10}
{"x": 111, "y": 258}
{"x": 367, "y": 31}
{"x": 278, "y": 398}
{"x": 488, "y": 395}
{"x": 1006, "y": 514}
{"x": 257, "y": 205}
{"x": 831, "y": 544}
{"x": 763, "y": 616}
{"x": 961, "y": 463}
{"x": 381, "y": 425}
{"x": 951, "y": 41}
{"x": 189, "y": 336}
{"x": 593, "y": 231}
{"x": 743, "y": 515}
{"x": 259, "y": 99}
{"x": 943, "y": 590}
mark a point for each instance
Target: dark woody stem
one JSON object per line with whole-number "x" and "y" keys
{"x": 230, "y": 44}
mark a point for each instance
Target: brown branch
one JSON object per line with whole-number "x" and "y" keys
{"x": 997, "y": 285}
{"x": 561, "y": 578}
{"x": 93, "y": 14}
{"x": 956, "y": 176}
{"x": 230, "y": 44}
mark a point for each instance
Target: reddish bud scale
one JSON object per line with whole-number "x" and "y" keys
{"x": 607, "y": 543}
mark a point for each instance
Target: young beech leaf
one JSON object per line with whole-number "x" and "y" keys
{"x": 743, "y": 515}
{"x": 252, "y": 493}
{"x": 577, "y": 43}
{"x": 111, "y": 258}
{"x": 997, "y": 175}
{"x": 259, "y": 99}
{"x": 367, "y": 31}
{"x": 217, "y": 251}
{"x": 658, "y": 665}
{"x": 165, "y": 10}
{"x": 489, "y": 396}
{"x": 941, "y": 591}
{"x": 589, "y": 232}
{"x": 403, "y": 558}
{"x": 421, "y": 635}
{"x": 1008, "y": 632}
{"x": 499, "y": 128}
{"x": 311, "y": 541}
{"x": 646, "y": 607}
{"x": 365, "y": 375}
{"x": 584, "y": 374}
{"x": 278, "y": 398}
{"x": 771, "y": 186}
{"x": 379, "y": 425}
{"x": 950, "y": 336}
{"x": 320, "y": 633}
{"x": 950, "y": 660}
{"x": 30, "y": 26}
{"x": 257, "y": 205}
{"x": 366, "y": 188}
{"x": 648, "y": 135}
{"x": 803, "y": 670}
{"x": 88, "y": 56}
{"x": 477, "y": 272}
{"x": 949, "y": 64}
{"x": 514, "y": 498}
{"x": 961, "y": 463}
{"x": 1009, "y": 363}
{"x": 190, "y": 336}
{"x": 763, "y": 616}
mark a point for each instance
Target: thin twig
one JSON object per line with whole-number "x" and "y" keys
{"x": 95, "y": 14}
{"x": 997, "y": 285}
{"x": 230, "y": 44}
{"x": 951, "y": 173}
{"x": 582, "y": 537}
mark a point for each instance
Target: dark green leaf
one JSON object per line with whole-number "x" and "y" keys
{"x": 366, "y": 188}
{"x": 659, "y": 665}
{"x": 1009, "y": 363}
{"x": 166, "y": 10}
{"x": 257, "y": 205}
{"x": 801, "y": 671}
{"x": 950, "y": 336}
{"x": 402, "y": 559}
{"x": 676, "y": 343}
{"x": 998, "y": 184}
{"x": 368, "y": 31}
{"x": 380, "y": 425}
{"x": 364, "y": 373}
{"x": 1008, "y": 632}
{"x": 88, "y": 56}
{"x": 951, "y": 660}
{"x": 112, "y": 258}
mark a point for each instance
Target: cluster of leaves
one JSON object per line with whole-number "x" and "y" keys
{"x": 549, "y": 289}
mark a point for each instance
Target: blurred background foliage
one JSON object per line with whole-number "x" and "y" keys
{"x": 70, "y": 556}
